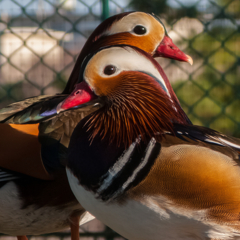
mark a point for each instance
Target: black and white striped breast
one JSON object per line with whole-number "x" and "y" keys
{"x": 109, "y": 170}
{"x": 129, "y": 169}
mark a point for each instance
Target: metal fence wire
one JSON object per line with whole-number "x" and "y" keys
{"x": 41, "y": 39}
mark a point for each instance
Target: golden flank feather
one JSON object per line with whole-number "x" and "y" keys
{"x": 209, "y": 181}
{"x": 31, "y": 129}
{"x": 135, "y": 107}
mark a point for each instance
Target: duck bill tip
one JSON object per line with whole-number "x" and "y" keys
{"x": 189, "y": 60}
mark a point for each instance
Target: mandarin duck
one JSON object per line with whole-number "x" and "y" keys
{"x": 39, "y": 137}
{"x": 139, "y": 29}
{"x": 139, "y": 165}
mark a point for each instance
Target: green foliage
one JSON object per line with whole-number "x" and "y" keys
{"x": 155, "y": 6}
{"x": 212, "y": 100}
{"x": 211, "y": 96}
{"x": 161, "y": 7}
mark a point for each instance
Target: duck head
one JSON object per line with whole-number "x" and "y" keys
{"x": 138, "y": 29}
{"x": 134, "y": 93}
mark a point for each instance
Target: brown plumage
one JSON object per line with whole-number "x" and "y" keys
{"x": 16, "y": 157}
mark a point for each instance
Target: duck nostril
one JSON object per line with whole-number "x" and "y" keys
{"x": 77, "y": 92}
{"x": 171, "y": 47}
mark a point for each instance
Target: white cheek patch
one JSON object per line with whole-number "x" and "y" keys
{"x": 124, "y": 59}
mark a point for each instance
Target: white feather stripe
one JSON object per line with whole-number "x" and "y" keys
{"x": 116, "y": 168}
{"x": 214, "y": 142}
{"x": 230, "y": 143}
{"x": 7, "y": 179}
{"x": 3, "y": 174}
{"x": 144, "y": 161}
{"x": 222, "y": 142}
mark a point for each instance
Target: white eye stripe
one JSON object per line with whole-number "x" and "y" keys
{"x": 129, "y": 29}
{"x": 124, "y": 59}
{"x": 129, "y": 22}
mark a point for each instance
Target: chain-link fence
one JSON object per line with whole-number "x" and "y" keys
{"x": 41, "y": 39}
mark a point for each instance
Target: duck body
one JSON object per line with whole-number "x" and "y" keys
{"x": 188, "y": 191}
{"x": 35, "y": 197}
{"x": 30, "y": 206}
{"x": 141, "y": 167}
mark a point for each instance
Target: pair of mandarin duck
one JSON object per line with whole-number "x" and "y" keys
{"x": 117, "y": 143}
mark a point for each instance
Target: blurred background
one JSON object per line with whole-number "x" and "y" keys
{"x": 41, "y": 39}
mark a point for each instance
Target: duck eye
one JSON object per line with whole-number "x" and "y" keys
{"x": 109, "y": 70}
{"x": 140, "y": 30}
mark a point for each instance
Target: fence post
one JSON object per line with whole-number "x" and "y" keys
{"x": 105, "y": 9}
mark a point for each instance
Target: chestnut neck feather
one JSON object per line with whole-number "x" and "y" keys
{"x": 170, "y": 89}
{"x": 137, "y": 106}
